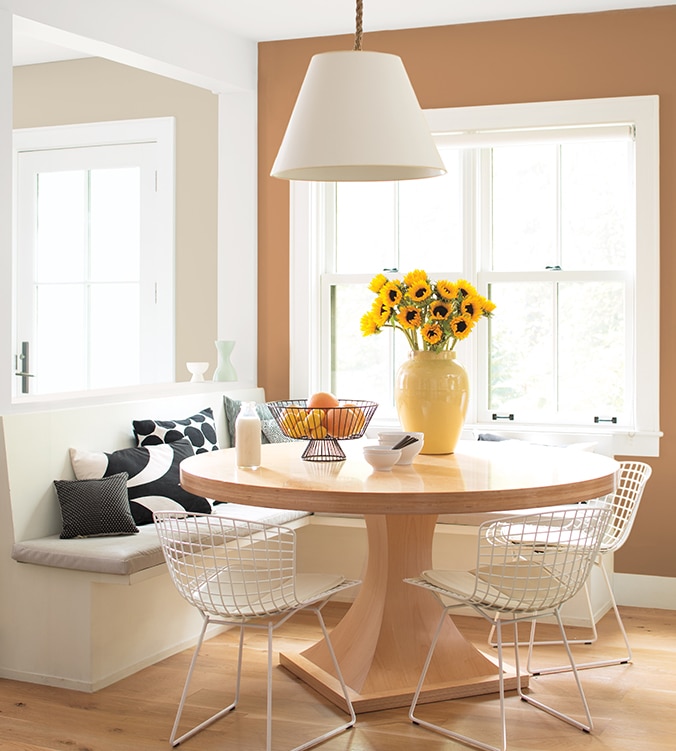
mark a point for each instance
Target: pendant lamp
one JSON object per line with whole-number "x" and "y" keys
{"x": 357, "y": 118}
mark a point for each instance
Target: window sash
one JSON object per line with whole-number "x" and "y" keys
{"x": 640, "y": 432}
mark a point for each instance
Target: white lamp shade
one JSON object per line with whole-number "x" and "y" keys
{"x": 357, "y": 118}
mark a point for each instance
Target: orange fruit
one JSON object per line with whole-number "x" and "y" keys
{"x": 321, "y": 400}
{"x": 344, "y": 421}
{"x": 337, "y": 422}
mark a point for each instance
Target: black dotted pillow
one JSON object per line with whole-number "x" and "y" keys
{"x": 94, "y": 508}
{"x": 199, "y": 429}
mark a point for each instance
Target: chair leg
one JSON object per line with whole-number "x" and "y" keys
{"x": 176, "y": 741}
{"x": 449, "y": 733}
{"x": 597, "y": 663}
{"x": 350, "y": 709}
{"x": 555, "y": 713}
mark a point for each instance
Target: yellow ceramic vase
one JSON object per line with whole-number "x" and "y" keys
{"x": 431, "y": 393}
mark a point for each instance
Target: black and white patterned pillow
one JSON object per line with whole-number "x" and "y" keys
{"x": 94, "y": 508}
{"x": 199, "y": 429}
{"x": 153, "y": 471}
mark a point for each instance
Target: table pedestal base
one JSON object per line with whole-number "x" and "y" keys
{"x": 325, "y": 684}
{"x": 382, "y": 641}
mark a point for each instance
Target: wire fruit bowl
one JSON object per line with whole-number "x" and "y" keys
{"x": 323, "y": 426}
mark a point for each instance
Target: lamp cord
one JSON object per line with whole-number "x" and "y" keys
{"x": 359, "y": 30}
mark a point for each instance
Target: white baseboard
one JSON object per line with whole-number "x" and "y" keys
{"x": 639, "y": 591}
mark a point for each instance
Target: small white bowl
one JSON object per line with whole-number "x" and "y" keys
{"x": 408, "y": 453}
{"x": 381, "y": 458}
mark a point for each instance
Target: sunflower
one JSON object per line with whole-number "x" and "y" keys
{"x": 471, "y": 306}
{"x": 432, "y": 333}
{"x": 440, "y": 311}
{"x": 415, "y": 277}
{"x": 391, "y": 293}
{"x": 447, "y": 290}
{"x": 465, "y": 288}
{"x": 368, "y": 325}
{"x": 377, "y": 283}
{"x": 488, "y": 306}
{"x": 409, "y": 317}
{"x": 380, "y": 312}
{"x": 419, "y": 292}
{"x": 461, "y": 326}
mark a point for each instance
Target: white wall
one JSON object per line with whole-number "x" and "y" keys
{"x": 138, "y": 33}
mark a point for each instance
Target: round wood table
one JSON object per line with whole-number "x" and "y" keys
{"x": 382, "y": 640}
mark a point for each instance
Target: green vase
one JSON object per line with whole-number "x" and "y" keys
{"x": 224, "y": 368}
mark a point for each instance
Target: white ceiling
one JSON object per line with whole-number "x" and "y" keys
{"x": 265, "y": 20}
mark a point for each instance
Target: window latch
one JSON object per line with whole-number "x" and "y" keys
{"x": 495, "y": 416}
{"x": 553, "y": 268}
{"x": 605, "y": 419}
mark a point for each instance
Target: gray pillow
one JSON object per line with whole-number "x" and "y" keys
{"x": 270, "y": 430}
{"x": 95, "y": 508}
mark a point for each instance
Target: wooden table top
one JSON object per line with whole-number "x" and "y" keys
{"x": 480, "y": 476}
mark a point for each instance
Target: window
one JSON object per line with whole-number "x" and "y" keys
{"x": 551, "y": 210}
{"x": 94, "y": 244}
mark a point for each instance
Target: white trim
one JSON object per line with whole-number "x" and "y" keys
{"x": 237, "y": 271}
{"x": 640, "y": 591}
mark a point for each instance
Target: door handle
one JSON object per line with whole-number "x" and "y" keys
{"x": 23, "y": 373}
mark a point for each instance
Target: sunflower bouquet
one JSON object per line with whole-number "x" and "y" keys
{"x": 432, "y": 315}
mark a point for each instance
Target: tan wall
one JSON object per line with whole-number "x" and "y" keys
{"x": 94, "y": 90}
{"x": 625, "y": 53}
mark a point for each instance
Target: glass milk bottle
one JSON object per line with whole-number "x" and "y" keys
{"x": 248, "y": 437}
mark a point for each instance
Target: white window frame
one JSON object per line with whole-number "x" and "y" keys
{"x": 307, "y": 235}
{"x": 158, "y": 246}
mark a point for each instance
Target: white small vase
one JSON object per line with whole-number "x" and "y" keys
{"x": 224, "y": 368}
{"x": 197, "y": 369}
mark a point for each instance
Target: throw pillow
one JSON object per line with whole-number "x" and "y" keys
{"x": 94, "y": 508}
{"x": 153, "y": 483}
{"x": 270, "y": 430}
{"x": 199, "y": 429}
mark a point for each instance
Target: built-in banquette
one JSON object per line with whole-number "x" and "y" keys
{"x": 83, "y": 613}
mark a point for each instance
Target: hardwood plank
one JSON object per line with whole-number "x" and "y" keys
{"x": 632, "y": 705}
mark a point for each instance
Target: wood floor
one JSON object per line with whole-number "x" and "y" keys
{"x": 633, "y": 705}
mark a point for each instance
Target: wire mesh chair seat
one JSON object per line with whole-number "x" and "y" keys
{"x": 241, "y": 573}
{"x": 631, "y": 481}
{"x": 513, "y": 581}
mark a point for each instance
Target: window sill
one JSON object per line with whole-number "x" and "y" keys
{"x": 616, "y": 442}
{"x": 35, "y": 403}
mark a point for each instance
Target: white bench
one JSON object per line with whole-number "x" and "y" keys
{"x": 83, "y": 613}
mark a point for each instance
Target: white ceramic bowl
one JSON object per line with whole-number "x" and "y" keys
{"x": 408, "y": 453}
{"x": 382, "y": 458}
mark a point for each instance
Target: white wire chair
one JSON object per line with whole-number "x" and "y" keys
{"x": 242, "y": 573}
{"x": 516, "y": 580}
{"x": 632, "y": 478}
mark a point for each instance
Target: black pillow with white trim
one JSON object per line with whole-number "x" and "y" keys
{"x": 95, "y": 508}
{"x": 153, "y": 471}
